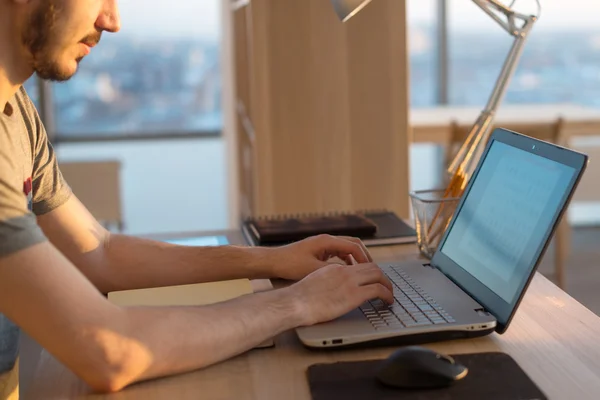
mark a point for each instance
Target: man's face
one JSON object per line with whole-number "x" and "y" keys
{"x": 58, "y": 34}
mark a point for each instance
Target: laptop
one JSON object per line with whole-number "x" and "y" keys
{"x": 485, "y": 261}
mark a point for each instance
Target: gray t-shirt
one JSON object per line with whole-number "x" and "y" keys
{"x": 30, "y": 185}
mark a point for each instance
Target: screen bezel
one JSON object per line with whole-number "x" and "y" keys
{"x": 494, "y": 304}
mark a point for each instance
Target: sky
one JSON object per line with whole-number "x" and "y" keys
{"x": 200, "y": 18}
{"x": 555, "y": 13}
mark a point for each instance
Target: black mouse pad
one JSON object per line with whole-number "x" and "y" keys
{"x": 492, "y": 376}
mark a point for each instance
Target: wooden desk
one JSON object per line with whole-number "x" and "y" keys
{"x": 553, "y": 337}
{"x": 434, "y": 125}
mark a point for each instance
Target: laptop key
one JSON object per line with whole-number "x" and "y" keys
{"x": 403, "y": 315}
{"x": 423, "y": 323}
{"x": 368, "y": 312}
{"x": 413, "y": 305}
{"x": 397, "y": 326}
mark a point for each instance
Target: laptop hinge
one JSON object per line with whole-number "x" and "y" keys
{"x": 482, "y": 312}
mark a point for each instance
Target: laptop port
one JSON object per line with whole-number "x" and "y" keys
{"x": 337, "y": 341}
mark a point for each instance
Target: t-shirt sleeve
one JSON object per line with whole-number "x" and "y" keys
{"x": 50, "y": 190}
{"x": 18, "y": 226}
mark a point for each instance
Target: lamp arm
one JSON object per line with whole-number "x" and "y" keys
{"x": 509, "y": 68}
{"x": 468, "y": 155}
{"x": 510, "y": 25}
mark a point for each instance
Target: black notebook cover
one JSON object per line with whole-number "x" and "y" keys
{"x": 390, "y": 229}
{"x": 283, "y": 230}
{"x": 492, "y": 376}
{"x": 373, "y": 227}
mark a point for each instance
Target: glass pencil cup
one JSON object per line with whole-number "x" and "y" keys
{"x": 432, "y": 213}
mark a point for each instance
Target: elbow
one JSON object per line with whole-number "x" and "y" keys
{"x": 117, "y": 361}
{"x": 106, "y": 384}
{"x": 110, "y": 377}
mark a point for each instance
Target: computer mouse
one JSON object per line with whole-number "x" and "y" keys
{"x": 416, "y": 367}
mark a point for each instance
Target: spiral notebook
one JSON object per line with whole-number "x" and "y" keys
{"x": 374, "y": 227}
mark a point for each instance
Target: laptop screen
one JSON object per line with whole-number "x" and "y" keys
{"x": 503, "y": 223}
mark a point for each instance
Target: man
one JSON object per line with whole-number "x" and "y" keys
{"x": 56, "y": 260}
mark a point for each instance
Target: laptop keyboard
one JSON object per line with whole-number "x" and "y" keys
{"x": 412, "y": 306}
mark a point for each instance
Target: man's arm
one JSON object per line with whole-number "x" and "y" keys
{"x": 111, "y": 347}
{"x": 118, "y": 262}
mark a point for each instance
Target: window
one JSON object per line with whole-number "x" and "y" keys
{"x": 421, "y": 16}
{"x": 560, "y": 63}
{"x": 157, "y": 79}
{"x": 159, "y": 76}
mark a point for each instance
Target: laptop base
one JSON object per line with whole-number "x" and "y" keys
{"x": 418, "y": 338}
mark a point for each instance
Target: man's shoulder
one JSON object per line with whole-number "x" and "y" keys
{"x": 28, "y": 113}
{"x": 24, "y": 101}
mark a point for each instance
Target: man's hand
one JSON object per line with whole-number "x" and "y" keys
{"x": 336, "y": 289}
{"x": 297, "y": 260}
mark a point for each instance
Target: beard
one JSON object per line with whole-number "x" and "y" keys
{"x": 39, "y": 36}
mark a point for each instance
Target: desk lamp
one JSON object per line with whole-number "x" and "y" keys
{"x": 518, "y": 26}
{"x": 431, "y": 225}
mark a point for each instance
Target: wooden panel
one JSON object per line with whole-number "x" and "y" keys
{"x": 241, "y": 55}
{"x": 259, "y": 110}
{"x": 309, "y": 125}
{"x": 245, "y": 151}
{"x": 329, "y": 107}
{"x": 379, "y": 106}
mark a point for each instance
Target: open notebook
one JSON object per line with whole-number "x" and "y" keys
{"x": 185, "y": 295}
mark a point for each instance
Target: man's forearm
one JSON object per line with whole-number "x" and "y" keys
{"x": 174, "y": 340}
{"x": 125, "y": 262}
